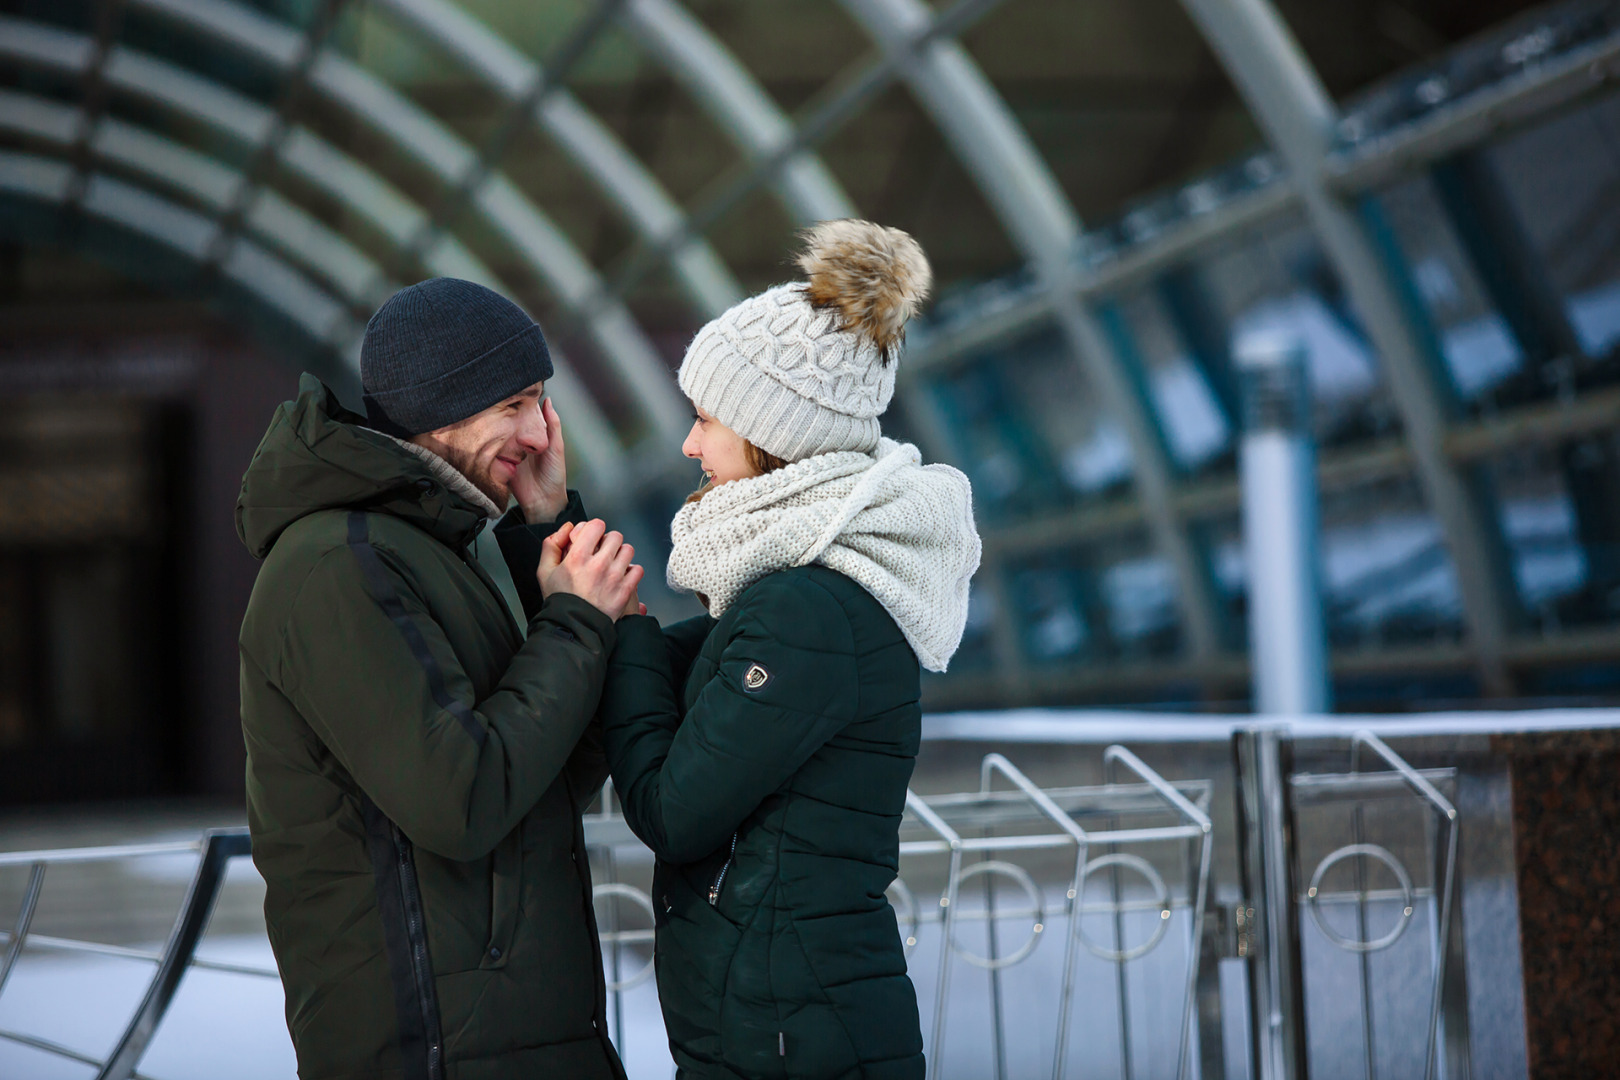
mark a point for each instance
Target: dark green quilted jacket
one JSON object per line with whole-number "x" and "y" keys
{"x": 416, "y": 771}
{"x": 769, "y": 775}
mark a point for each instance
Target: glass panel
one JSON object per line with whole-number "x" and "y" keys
{"x": 1195, "y": 426}
{"x": 1138, "y": 593}
{"x": 1279, "y": 281}
{"x": 1007, "y": 410}
{"x": 1478, "y": 344}
{"x": 1387, "y": 577}
{"x": 1563, "y": 177}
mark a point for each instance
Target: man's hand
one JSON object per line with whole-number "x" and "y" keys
{"x": 541, "y": 483}
{"x": 592, "y": 564}
{"x": 633, "y": 606}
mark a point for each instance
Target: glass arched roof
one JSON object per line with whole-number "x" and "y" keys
{"x": 629, "y": 168}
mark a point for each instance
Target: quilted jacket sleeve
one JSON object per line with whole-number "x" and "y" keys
{"x": 520, "y": 546}
{"x": 684, "y": 641}
{"x": 785, "y": 685}
{"x": 372, "y": 672}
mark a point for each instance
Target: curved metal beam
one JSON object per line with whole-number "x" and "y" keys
{"x": 273, "y": 221}
{"x": 533, "y": 235}
{"x": 996, "y": 151}
{"x": 185, "y": 231}
{"x": 1298, "y": 117}
{"x": 352, "y": 184}
{"x": 845, "y": 100}
{"x": 732, "y": 96}
{"x": 644, "y": 202}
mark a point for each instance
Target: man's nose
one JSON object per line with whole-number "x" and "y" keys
{"x": 531, "y": 433}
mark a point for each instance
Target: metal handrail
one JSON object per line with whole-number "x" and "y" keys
{"x": 45, "y": 942}
{"x": 63, "y": 856}
{"x": 217, "y": 847}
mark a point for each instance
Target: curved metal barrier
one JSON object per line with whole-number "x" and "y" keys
{"x": 1377, "y": 844}
{"x": 214, "y": 850}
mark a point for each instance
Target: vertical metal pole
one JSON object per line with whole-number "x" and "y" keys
{"x": 1358, "y": 835}
{"x": 25, "y": 917}
{"x": 999, "y": 1030}
{"x": 1278, "y": 462}
{"x": 947, "y": 928}
{"x": 615, "y": 961}
{"x": 1122, "y": 986}
{"x": 1276, "y": 989}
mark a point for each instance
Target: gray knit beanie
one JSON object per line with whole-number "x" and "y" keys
{"x": 807, "y": 368}
{"x": 443, "y": 349}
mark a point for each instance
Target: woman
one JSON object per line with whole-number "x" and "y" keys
{"x": 763, "y": 752}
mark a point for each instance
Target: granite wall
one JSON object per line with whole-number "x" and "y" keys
{"x": 1566, "y": 810}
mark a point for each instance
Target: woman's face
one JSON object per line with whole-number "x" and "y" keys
{"x": 717, "y": 448}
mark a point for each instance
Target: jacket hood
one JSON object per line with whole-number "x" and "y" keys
{"x": 316, "y": 456}
{"x": 900, "y": 529}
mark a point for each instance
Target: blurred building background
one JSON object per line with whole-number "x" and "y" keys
{"x": 199, "y": 198}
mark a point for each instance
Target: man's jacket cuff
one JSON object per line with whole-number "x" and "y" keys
{"x": 566, "y": 614}
{"x": 520, "y": 547}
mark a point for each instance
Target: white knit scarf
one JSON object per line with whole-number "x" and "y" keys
{"x": 901, "y": 530}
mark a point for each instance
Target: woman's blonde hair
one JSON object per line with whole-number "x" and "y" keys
{"x": 761, "y": 461}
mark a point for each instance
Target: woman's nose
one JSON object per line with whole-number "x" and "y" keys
{"x": 690, "y": 447}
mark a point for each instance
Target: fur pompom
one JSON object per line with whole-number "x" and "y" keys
{"x": 876, "y": 277}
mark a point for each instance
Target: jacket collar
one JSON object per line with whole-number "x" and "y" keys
{"x": 317, "y": 455}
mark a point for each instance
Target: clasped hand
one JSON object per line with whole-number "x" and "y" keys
{"x": 593, "y": 564}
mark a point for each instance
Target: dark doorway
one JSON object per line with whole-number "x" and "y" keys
{"x": 93, "y": 529}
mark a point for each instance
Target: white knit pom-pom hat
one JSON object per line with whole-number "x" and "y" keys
{"x": 807, "y": 368}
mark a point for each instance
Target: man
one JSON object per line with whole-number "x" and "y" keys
{"x": 416, "y": 771}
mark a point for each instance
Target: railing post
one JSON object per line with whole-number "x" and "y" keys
{"x": 219, "y": 847}
{"x": 1264, "y": 756}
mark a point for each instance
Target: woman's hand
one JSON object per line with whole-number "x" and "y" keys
{"x": 591, "y": 563}
{"x": 541, "y": 483}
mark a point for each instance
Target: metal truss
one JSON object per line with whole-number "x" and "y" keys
{"x": 352, "y": 184}
{"x": 1469, "y": 443}
{"x": 186, "y": 232}
{"x": 1038, "y": 217}
{"x": 1292, "y": 107}
{"x": 533, "y": 235}
{"x": 765, "y": 161}
{"x": 1324, "y": 174}
{"x": 732, "y": 96}
{"x": 1185, "y": 224}
{"x": 273, "y": 221}
{"x": 263, "y": 159}
{"x": 644, "y": 202}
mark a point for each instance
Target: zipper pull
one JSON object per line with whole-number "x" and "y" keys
{"x": 714, "y": 894}
{"x": 781, "y": 1044}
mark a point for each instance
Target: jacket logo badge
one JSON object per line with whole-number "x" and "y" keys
{"x": 756, "y": 678}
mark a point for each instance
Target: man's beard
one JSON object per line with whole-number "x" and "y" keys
{"x": 477, "y": 475}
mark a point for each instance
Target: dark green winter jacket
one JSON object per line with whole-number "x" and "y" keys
{"x": 416, "y": 771}
{"x": 769, "y": 778}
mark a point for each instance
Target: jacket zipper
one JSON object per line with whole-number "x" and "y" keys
{"x": 415, "y": 934}
{"x": 720, "y": 878}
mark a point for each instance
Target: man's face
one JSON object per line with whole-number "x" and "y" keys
{"x": 489, "y": 447}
